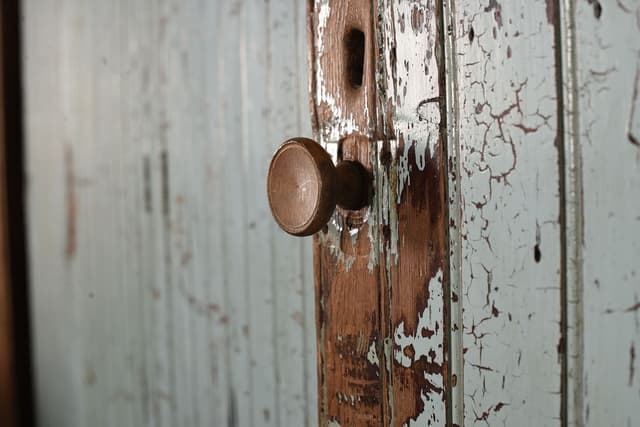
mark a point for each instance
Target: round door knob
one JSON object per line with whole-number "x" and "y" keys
{"x": 304, "y": 186}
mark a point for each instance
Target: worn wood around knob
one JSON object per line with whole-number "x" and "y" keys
{"x": 304, "y": 186}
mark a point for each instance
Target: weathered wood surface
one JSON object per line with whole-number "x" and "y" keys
{"x": 507, "y": 222}
{"x": 382, "y": 343}
{"x": 348, "y": 288}
{"x": 414, "y": 213}
{"x": 163, "y": 293}
{"x": 605, "y": 133}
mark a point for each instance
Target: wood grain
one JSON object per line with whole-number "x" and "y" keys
{"x": 346, "y": 267}
{"x": 415, "y": 247}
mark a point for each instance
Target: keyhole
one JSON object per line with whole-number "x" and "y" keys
{"x": 354, "y": 43}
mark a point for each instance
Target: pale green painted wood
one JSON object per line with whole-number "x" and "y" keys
{"x": 163, "y": 293}
{"x": 606, "y": 77}
{"x": 505, "y": 202}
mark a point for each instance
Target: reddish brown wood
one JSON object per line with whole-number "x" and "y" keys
{"x": 347, "y": 283}
{"x": 7, "y": 363}
{"x": 416, "y": 272}
{"x": 347, "y": 304}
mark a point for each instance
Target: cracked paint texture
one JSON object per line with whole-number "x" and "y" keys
{"x": 509, "y": 188}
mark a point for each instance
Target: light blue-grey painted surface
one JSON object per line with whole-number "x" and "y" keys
{"x": 162, "y": 292}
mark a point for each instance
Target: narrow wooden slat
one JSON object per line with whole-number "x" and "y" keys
{"x": 262, "y": 249}
{"x": 606, "y": 134}
{"x": 571, "y": 214}
{"x": 307, "y": 276}
{"x": 509, "y": 221}
{"x": 415, "y": 225}
{"x": 288, "y": 285}
{"x": 8, "y": 396}
{"x": 234, "y": 146}
{"x": 346, "y": 256}
{"x": 452, "y": 148}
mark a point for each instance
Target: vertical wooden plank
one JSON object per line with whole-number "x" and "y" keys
{"x": 572, "y": 214}
{"x": 261, "y": 237}
{"x": 509, "y": 220}
{"x": 154, "y": 222}
{"x": 234, "y": 226}
{"x": 607, "y": 85}
{"x": 283, "y": 95}
{"x": 415, "y": 226}
{"x": 346, "y": 253}
{"x": 45, "y": 48}
{"x": 8, "y": 395}
{"x": 303, "y": 91}
{"x": 208, "y": 354}
{"x": 209, "y": 245}
{"x": 453, "y": 200}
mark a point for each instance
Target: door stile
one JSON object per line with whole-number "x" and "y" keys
{"x": 346, "y": 252}
{"x": 415, "y": 247}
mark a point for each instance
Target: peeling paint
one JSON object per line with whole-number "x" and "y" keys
{"x": 509, "y": 208}
{"x": 372, "y": 355}
{"x": 425, "y": 344}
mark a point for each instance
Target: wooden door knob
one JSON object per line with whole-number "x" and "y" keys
{"x": 304, "y": 186}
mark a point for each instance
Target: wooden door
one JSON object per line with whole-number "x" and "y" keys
{"x": 493, "y": 279}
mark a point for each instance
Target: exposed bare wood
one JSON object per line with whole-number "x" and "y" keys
{"x": 415, "y": 222}
{"x": 347, "y": 280}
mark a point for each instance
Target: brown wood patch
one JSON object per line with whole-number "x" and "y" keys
{"x": 346, "y": 273}
{"x": 414, "y": 237}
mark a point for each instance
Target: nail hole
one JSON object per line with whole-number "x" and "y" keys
{"x": 536, "y": 253}
{"x": 597, "y": 9}
{"x": 354, "y": 43}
